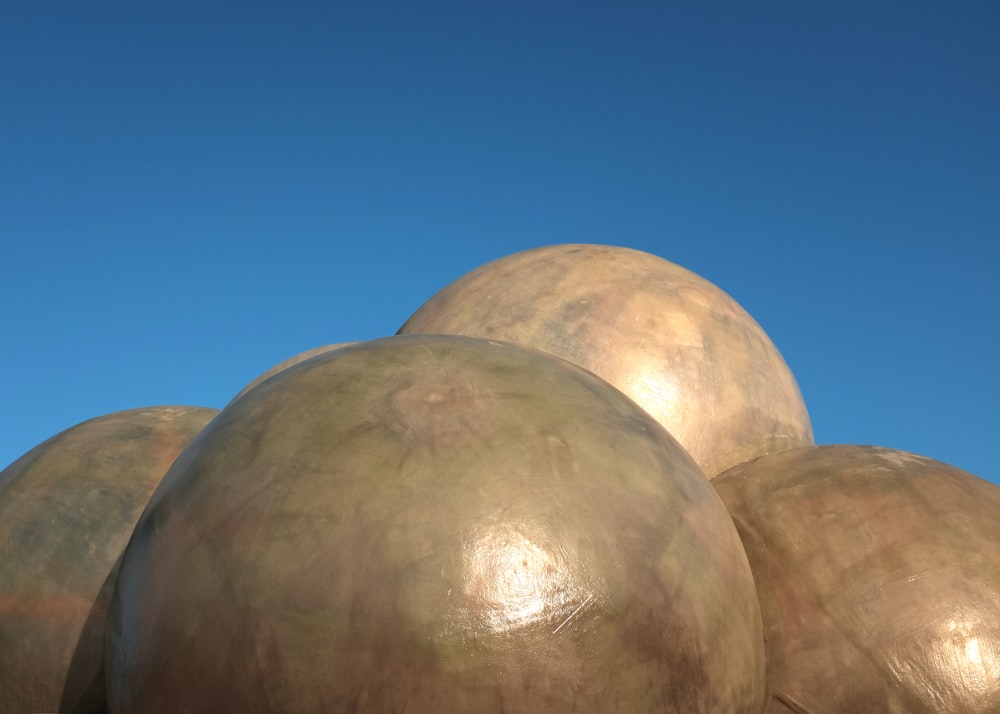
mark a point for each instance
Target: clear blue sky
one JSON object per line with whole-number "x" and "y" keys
{"x": 193, "y": 192}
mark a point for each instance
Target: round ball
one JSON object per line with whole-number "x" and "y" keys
{"x": 67, "y": 510}
{"x": 435, "y": 524}
{"x": 879, "y": 579}
{"x": 683, "y": 349}
{"x": 291, "y": 361}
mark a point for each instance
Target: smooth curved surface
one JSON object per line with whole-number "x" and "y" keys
{"x": 879, "y": 579}
{"x": 290, "y": 362}
{"x": 683, "y": 349}
{"x": 67, "y": 510}
{"x": 435, "y": 524}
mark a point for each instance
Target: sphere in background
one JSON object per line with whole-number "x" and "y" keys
{"x": 879, "y": 579}
{"x": 683, "y": 349}
{"x": 435, "y": 524}
{"x": 67, "y": 510}
{"x": 291, "y": 361}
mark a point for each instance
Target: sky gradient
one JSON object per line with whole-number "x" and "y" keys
{"x": 192, "y": 193}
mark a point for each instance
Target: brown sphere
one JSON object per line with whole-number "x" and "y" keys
{"x": 290, "y": 362}
{"x": 879, "y": 579}
{"x": 435, "y": 524}
{"x": 67, "y": 510}
{"x": 683, "y": 349}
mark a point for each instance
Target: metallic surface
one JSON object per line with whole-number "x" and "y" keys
{"x": 683, "y": 349}
{"x": 879, "y": 579}
{"x": 290, "y": 362}
{"x": 435, "y": 524}
{"x": 67, "y": 510}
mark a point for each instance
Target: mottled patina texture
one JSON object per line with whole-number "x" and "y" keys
{"x": 879, "y": 579}
{"x": 683, "y": 349}
{"x": 67, "y": 510}
{"x": 435, "y": 524}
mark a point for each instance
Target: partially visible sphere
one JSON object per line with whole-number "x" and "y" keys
{"x": 879, "y": 579}
{"x": 67, "y": 510}
{"x": 683, "y": 349}
{"x": 435, "y": 524}
{"x": 290, "y": 362}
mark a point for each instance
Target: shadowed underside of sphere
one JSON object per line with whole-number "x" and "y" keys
{"x": 67, "y": 510}
{"x": 679, "y": 346}
{"x": 435, "y": 524}
{"x": 879, "y": 579}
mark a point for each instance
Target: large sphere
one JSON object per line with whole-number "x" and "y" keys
{"x": 683, "y": 349}
{"x": 879, "y": 579}
{"x": 435, "y": 524}
{"x": 67, "y": 510}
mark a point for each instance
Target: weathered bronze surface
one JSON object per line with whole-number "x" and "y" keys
{"x": 67, "y": 510}
{"x": 879, "y": 579}
{"x": 291, "y": 361}
{"x": 435, "y": 524}
{"x": 683, "y": 349}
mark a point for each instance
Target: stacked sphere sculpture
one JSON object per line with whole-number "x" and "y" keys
{"x": 580, "y": 478}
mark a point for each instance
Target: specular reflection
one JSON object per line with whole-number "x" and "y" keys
{"x": 971, "y": 657}
{"x": 958, "y": 665}
{"x": 510, "y": 582}
{"x": 656, "y": 392}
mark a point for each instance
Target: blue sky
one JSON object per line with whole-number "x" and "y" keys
{"x": 193, "y": 192}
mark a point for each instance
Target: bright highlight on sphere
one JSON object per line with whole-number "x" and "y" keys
{"x": 683, "y": 349}
{"x": 435, "y": 523}
{"x": 879, "y": 578}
